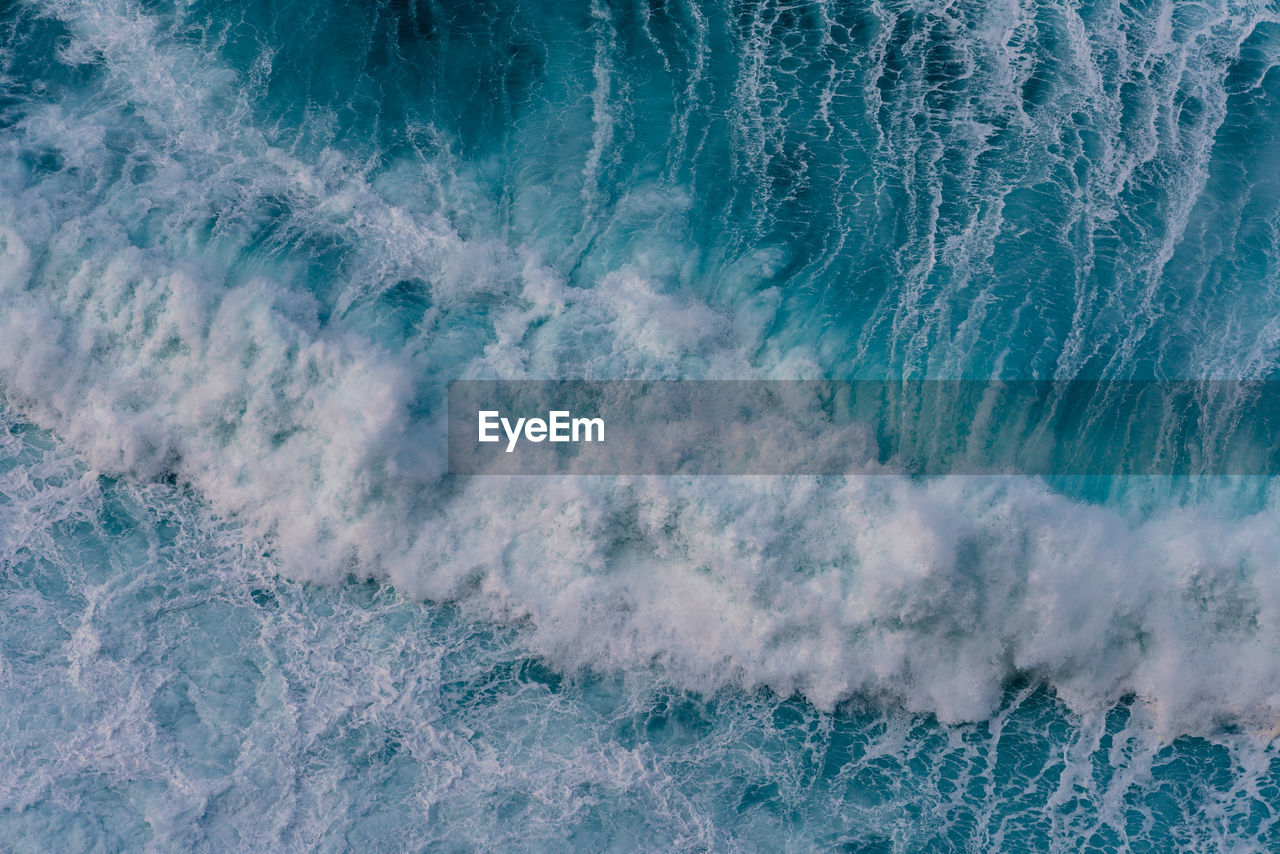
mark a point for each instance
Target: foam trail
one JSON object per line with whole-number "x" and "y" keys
{"x": 215, "y": 269}
{"x": 250, "y": 710}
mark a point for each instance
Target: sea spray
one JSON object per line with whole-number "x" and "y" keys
{"x": 246, "y": 252}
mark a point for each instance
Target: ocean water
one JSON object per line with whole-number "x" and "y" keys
{"x": 244, "y": 247}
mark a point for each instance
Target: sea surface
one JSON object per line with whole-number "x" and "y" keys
{"x": 245, "y": 246}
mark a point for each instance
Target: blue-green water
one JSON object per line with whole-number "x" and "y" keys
{"x": 243, "y": 248}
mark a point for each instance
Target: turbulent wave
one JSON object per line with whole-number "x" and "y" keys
{"x": 178, "y": 692}
{"x": 243, "y": 250}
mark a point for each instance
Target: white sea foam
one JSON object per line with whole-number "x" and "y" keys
{"x": 169, "y": 355}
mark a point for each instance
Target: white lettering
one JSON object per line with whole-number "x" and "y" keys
{"x": 512, "y": 435}
{"x": 488, "y": 422}
{"x": 559, "y": 426}
{"x": 587, "y": 425}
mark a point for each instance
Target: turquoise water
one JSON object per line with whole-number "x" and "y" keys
{"x": 243, "y": 248}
